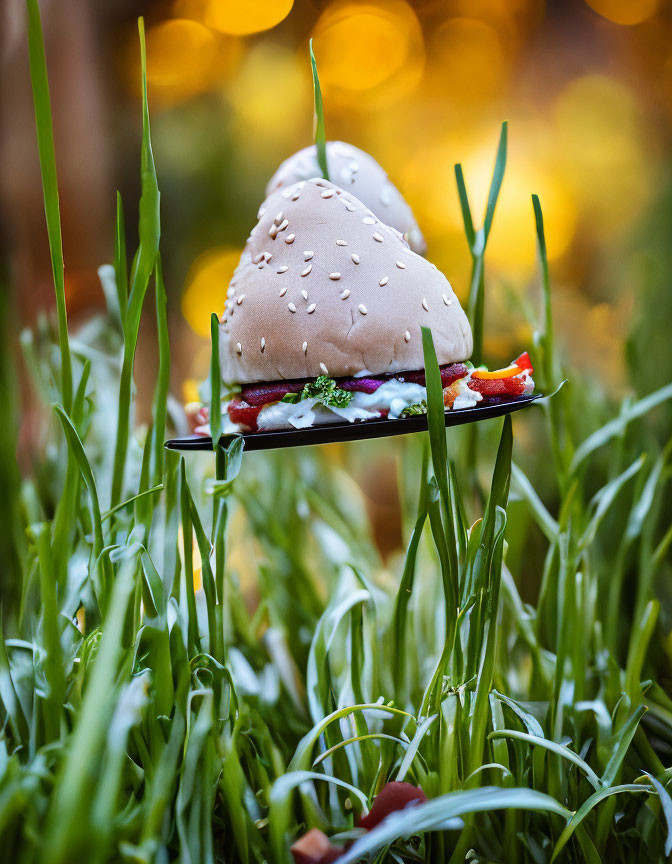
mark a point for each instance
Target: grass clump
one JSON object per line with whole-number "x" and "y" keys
{"x": 149, "y": 712}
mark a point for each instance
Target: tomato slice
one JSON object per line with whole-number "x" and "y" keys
{"x": 511, "y": 386}
{"x": 244, "y": 415}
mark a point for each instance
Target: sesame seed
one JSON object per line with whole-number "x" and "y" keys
{"x": 295, "y": 196}
{"x": 377, "y": 237}
{"x": 308, "y": 254}
{"x": 239, "y": 348}
{"x": 350, "y": 207}
{"x": 384, "y": 281}
{"x": 283, "y": 291}
{"x": 446, "y": 300}
{"x": 282, "y": 269}
{"x": 345, "y": 294}
{"x": 324, "y": 369}
{"x": 307, "y": 270}
{"x": 273, "y": 232}
{"x": 311, "y": 308}
{"x": 362, "y": 308}
{"x": 400, "y": 265}
{"x": 230, "y": 292}
{"x": 289, "y": 238}
{"x": 335, "y": 276}
{"x": 260, "y": 266}
{"x": 424, "y": 304}
{"x": 263, "y": 344}
{"x": 304, "y": 294}
{"x": 240, "y": 299}
{"x": 278, "y": 218}
{"x": 328, "y": 193}
{"x": 257, "y": 258}
{"x": 291, "y": 307}
{"x": 283, "y": 224}
{"x": 304, "y": 347}
{"x": 268, "y": 256}
{"x": 260, "y": 212}
{"x": 369, "y": 220}
{"x": 341, "y": 242}
{"x": 356, "y": 259}
{"x": 407, "y": 336}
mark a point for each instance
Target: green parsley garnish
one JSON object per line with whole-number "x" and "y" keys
{"x": 413, "y": 410}
{"x": 325, "y": 391}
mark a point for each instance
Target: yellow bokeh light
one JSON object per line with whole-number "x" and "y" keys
{"x": 369, "y": 53}
{"x": 236, "y": 17}
{"x": 206, "y": 285}
{"x": 458, "y": 47}
{"x": 271, "y": 96}
{"x": 430, "y": 184}
{"x": 627, "y": 12}
{"x": 603, "y": 152}
{"x": 185, "y": 58}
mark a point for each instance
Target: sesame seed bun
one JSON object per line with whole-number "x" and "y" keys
{"x": 325, "y": 288}
{"x": 358, "y": 173}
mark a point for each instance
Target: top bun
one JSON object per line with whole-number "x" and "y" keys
{"x": 325, "y": 288}
{"x": 355, "y": 171}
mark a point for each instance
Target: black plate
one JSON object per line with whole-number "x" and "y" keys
{"x": 328, "y": 434}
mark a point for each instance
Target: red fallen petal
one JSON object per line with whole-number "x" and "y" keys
{"x": 524, "y": 362}
{"x": 513, "y": 386}
{"x": 244, "y": 415}
{"x": 315, "y": 848}
{"x": 393, "y": 796}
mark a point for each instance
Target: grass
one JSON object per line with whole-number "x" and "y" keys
{"x": 145, "y": 718}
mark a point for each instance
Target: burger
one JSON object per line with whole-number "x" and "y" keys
{"x": 354, "y": 171}
{"x": 322, "y": 322}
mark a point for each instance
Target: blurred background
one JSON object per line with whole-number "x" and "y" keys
{"x": 585, "y": 84}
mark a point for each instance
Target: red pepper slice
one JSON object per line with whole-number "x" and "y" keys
{"x": 524, "y": 362}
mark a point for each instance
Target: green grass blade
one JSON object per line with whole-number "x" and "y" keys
{"x": 435, "y": 814}
{"x": 45, "y": 146}
{"x": 152, "y": 491}
{"x": 621, "y": 745}
{"x": 320, "y": 134}
{"x": 585, "y": 809}
{"x": 526, "y": 490}
{"x": 120, "y": 260}
{"x": 558, "y": 749}
{"x": 496, "y": 182}
{"x": 149, "y": 231}
{"x": 617, "y": 426}
{"x": 163, "y": 380}
{"x": 464, "y": 205}
{"x": 666, "y": 804}
{"x": 215, "y": 383}
{"x": 53, "y": 654}
{"x": 68, "y": 831}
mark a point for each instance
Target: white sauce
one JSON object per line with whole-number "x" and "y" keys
{"x": 392, "y": 396}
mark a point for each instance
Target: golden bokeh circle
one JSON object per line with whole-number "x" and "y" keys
{"x": 236, "y": 17}
{"x": 206, "y": 286}
{"x": 368, "y": 54}
{"x": 625, "y": 12}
